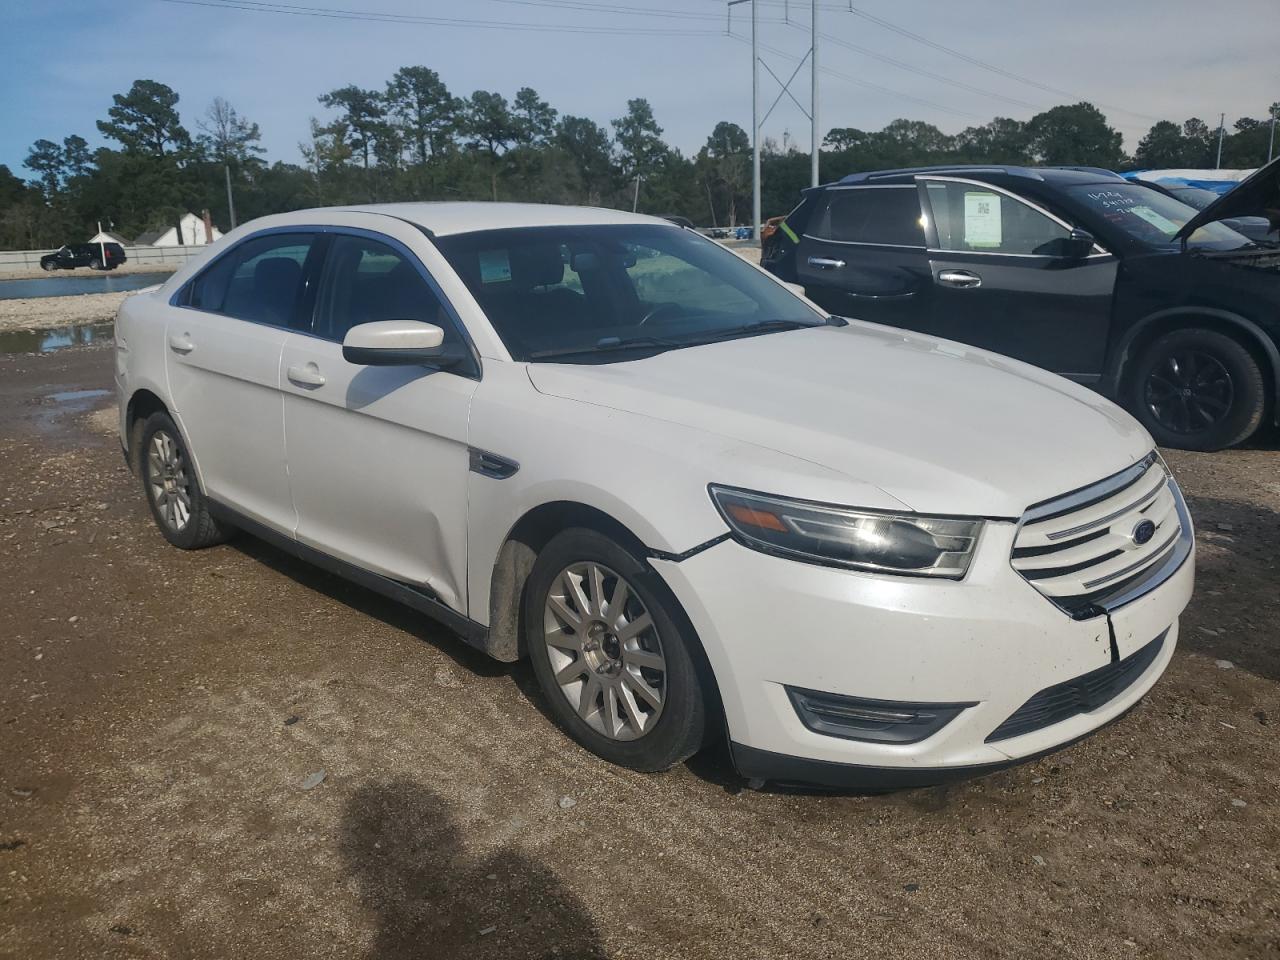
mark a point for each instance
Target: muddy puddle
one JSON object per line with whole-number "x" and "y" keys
{"x": 46, "y": 341}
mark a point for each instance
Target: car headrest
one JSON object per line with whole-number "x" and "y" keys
{"x": 536, "y": 266}
{"x": 276, "y": 275}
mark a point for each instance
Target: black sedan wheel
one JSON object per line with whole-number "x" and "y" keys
{"x": 1198, "y": 390}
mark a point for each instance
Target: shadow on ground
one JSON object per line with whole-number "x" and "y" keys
{"x": 1237, "y": 555}
{"x": 432, "y": 898}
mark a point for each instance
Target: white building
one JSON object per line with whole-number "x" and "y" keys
{"x": 106, "y": 236}
{"x": 193, "y": 234}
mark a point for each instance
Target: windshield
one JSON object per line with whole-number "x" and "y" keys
{"x": 1152, "y": 217}
{"x": 612, "y": 292}
{"x": 1196, "y": 197}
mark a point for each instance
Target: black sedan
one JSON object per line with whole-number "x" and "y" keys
{"x": 1111, "y": 283}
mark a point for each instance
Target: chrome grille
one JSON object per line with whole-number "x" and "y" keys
{"x": 1085, "y": 550}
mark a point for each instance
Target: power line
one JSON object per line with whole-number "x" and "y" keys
{"x": 911, "y": 68}
{"x": 961, "y": 55}
{"x": 332, "y": 13}
{"x": 863, "y": 83}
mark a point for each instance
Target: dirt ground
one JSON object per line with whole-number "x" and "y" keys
{"x": 163, "y": 714}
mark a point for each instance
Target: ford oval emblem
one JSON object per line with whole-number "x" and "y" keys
{"x": 1143, "y": 531}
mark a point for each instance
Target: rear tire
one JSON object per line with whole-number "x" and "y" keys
{"x": 1198, "y": 390}
{"x": 178, "y": 505}
{"x": 95, "y": 264}
{"x": 617, "y": 671}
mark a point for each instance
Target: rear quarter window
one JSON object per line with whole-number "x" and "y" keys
{"x": 888, "y": 215}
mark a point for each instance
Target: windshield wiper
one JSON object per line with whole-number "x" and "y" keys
{"x": 767, "y": 326}
{"x": 610, "y": 344}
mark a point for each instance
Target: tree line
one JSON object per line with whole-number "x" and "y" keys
{"x": 416, "y": 140}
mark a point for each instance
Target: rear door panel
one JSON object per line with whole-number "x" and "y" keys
{"x": 863, "y": 256}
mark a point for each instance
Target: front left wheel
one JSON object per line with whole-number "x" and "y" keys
{"x": 618, "y": 671}
{"x": 178, "y": 505}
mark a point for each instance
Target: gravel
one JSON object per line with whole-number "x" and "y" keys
{"x": 47, "y": 313}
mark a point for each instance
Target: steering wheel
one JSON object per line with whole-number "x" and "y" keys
{"x": 658, "y": 310}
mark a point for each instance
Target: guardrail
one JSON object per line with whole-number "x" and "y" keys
{"x": 15, "y": 261}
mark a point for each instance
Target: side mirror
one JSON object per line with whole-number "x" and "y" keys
{"x": 394, "y": 343}
{"x": 1078, "y": 245}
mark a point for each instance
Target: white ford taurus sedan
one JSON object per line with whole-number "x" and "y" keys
{"x": 697, "y": 504}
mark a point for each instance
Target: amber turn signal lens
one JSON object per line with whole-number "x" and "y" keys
{"x": 756, "y": 518}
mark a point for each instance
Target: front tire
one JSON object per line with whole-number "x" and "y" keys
{"x": 618, "y": 672}
{"x": 1198, "y": 390}
{"x": 48, "y": 266}
{"x": 178, "y": 505}
{"x": 95, "y": 264}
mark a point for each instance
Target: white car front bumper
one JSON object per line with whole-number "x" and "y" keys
{"x": 990, "y": 640}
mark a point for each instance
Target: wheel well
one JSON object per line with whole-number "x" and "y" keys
{"x": 515, "y": 561}
{"x": 141, "y": 405}
{"x": 1228, "y": 328}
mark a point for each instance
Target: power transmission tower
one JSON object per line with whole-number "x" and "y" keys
{"x": 757, "y": 121}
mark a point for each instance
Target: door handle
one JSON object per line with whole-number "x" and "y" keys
{"x": 825, "y": 263}
{"x": 181, "y": 344}
{"x": 306, "y": 376}
{"x": 964, "y": 279}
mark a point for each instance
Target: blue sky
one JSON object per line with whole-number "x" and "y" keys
{"x": 60, "y": 64}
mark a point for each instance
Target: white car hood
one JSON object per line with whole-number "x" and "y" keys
{"x": 941, "y": 427}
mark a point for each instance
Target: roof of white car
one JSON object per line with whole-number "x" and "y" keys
{"x": 450, "y": 217}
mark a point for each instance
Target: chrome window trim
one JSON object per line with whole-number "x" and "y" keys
{"x": 992, "y": 253}
{"x": 930, "y": 178}
{"x": 870, "y": 243}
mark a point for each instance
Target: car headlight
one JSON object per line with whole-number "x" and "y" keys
{"x": 904, "y": 544}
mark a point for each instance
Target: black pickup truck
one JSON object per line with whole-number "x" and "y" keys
{"x": 96, "y": 256}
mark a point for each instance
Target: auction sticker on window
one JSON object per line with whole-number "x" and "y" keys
{"x": 1159, "y": 221}
{"x": 495, "y": 266}
{"x": 982, "y": 219}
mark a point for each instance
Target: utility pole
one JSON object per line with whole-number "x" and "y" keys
{"x": 813, "y": 96}
{"x": 755, "y": 124}
{"x": 757, "y": 121}
{"x": 1271, "y": 145}
{"x": 231, "y": 204}
{"x": 1222, "y": 120}
{"x": 635, "y": 200}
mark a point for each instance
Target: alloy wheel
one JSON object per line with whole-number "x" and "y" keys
{"x": 605, "y": 652}
{"x": 169, "y": 480}
{"x": 1189, "y": 390}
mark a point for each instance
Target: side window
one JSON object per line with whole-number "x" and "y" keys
{"x": 365, "y": 280}
{"x": 888, "y": 215}
{"x": 972, "y": 218}
{"x": 208, "y": 291}
{"x": 260, "y": 280}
